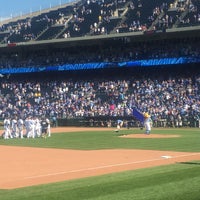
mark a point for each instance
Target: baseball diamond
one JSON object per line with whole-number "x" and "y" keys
{"x": 100, "y": 100}
{"x": 34, "y": 166}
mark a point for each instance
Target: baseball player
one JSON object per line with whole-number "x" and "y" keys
{"x": 20, "y": 125}
{"x": 37, "y": 127}
{"x": 7, "y": 131}
{"x": 147, "y": 123}
{"x": 119, "y": 125}
{"x": 14, "y": 127}
{"x": 29, "y": 127}
{"x": 44, "y": 127}
{"x": 48, "y": 127}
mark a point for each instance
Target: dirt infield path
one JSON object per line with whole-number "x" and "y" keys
{"x": 25, "y": 166}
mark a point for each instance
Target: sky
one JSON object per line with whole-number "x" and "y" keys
{"x": 14, "y": 8}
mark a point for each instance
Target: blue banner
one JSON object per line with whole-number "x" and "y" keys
{"x": 102, "y": 65}
{"x": 161, "y": 61}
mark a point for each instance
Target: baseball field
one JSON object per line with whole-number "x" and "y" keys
{"x": 100, "y": 164}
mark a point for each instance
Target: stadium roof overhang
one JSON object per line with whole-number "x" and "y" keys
{"x": 135, "y": 37}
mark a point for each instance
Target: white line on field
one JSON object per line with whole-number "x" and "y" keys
{"x": 108, "y": 166}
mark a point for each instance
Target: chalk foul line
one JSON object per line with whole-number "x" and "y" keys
{"x": 109, "y": 166}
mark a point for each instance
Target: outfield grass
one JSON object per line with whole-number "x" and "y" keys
{"x": 180, "y": 181}
{"x": 188, "y": 141}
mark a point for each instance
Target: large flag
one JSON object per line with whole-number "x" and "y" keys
{"x": 138, "y": 115}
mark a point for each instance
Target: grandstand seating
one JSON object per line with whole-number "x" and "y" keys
{"x": 165, "y": 94}
{"x": 102, "y": 17}
{"x": 192, "y": 16}
{"x": 3, "y": 36}
{"x": 164, "y": 91}
{"x": 108, "y": 51}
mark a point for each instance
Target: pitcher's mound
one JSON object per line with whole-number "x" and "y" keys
{"x": 149, "y": 136}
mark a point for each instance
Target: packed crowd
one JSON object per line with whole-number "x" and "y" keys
{"x": 172, "y": 97}
{"x": 122, "y": 52}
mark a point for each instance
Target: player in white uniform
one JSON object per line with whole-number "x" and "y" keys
{"x": 20, "y": 125}
{"x": 7, "y": 131}
{"x": 29, "y": 127}
{"x": 147, "y": 123}
{"x": 14, "y": 128}
{"x": 48, "y": 127}
{"x": 37, "y": 127}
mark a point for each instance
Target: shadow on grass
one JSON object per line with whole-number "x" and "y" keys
{"x": 190, "y": 163}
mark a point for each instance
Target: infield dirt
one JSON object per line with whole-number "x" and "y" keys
{"x": 26, "y": 166}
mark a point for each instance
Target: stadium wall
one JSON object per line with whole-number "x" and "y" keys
{"x": 107, "y": 121}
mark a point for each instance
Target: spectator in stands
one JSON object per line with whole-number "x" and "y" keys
{"x": 103, "y": 17}
{"x": 165, "y": 99}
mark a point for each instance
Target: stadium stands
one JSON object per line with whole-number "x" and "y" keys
{"x": 119, "y": 52}
{"x": 169, "y": 92}
{"x": 166, "y": 94}
{"x": 94, "y": 17}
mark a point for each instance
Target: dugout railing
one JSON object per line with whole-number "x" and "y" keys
{"x": 112, "y": 122}
{"x": 105, "y": 121}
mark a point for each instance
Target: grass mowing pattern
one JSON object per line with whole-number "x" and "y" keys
{"x": 188, "y": 142}
{"x": 177, "y": 182}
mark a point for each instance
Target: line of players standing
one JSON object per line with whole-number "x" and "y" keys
{"x": 31, "y": 127}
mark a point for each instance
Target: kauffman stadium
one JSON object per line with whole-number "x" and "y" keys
{"x": 88, "y": 63}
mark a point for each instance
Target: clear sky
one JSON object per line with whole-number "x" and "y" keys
{"x": 13, "y": 8}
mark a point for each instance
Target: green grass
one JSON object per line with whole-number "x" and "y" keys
{"x": 188, "y": 141}
{"x": 179, "y": 181}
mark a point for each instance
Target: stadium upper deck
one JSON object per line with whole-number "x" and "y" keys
{"x": 102, "y": 17}
{"x": 50, "y": 42}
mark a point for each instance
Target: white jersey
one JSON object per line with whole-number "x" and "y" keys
{"x": 48, "y": 127}
{"x": 6, "y": 123}
{"x": 14, "y": 124}
{"x": 20, "y": 124}
{"x": 14, "y": 128}
{"x": 147, "y": 124}
{"x": 7, "y": 129}
{"x": 29, "y": 124}
{"x": 37, "y": 127}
